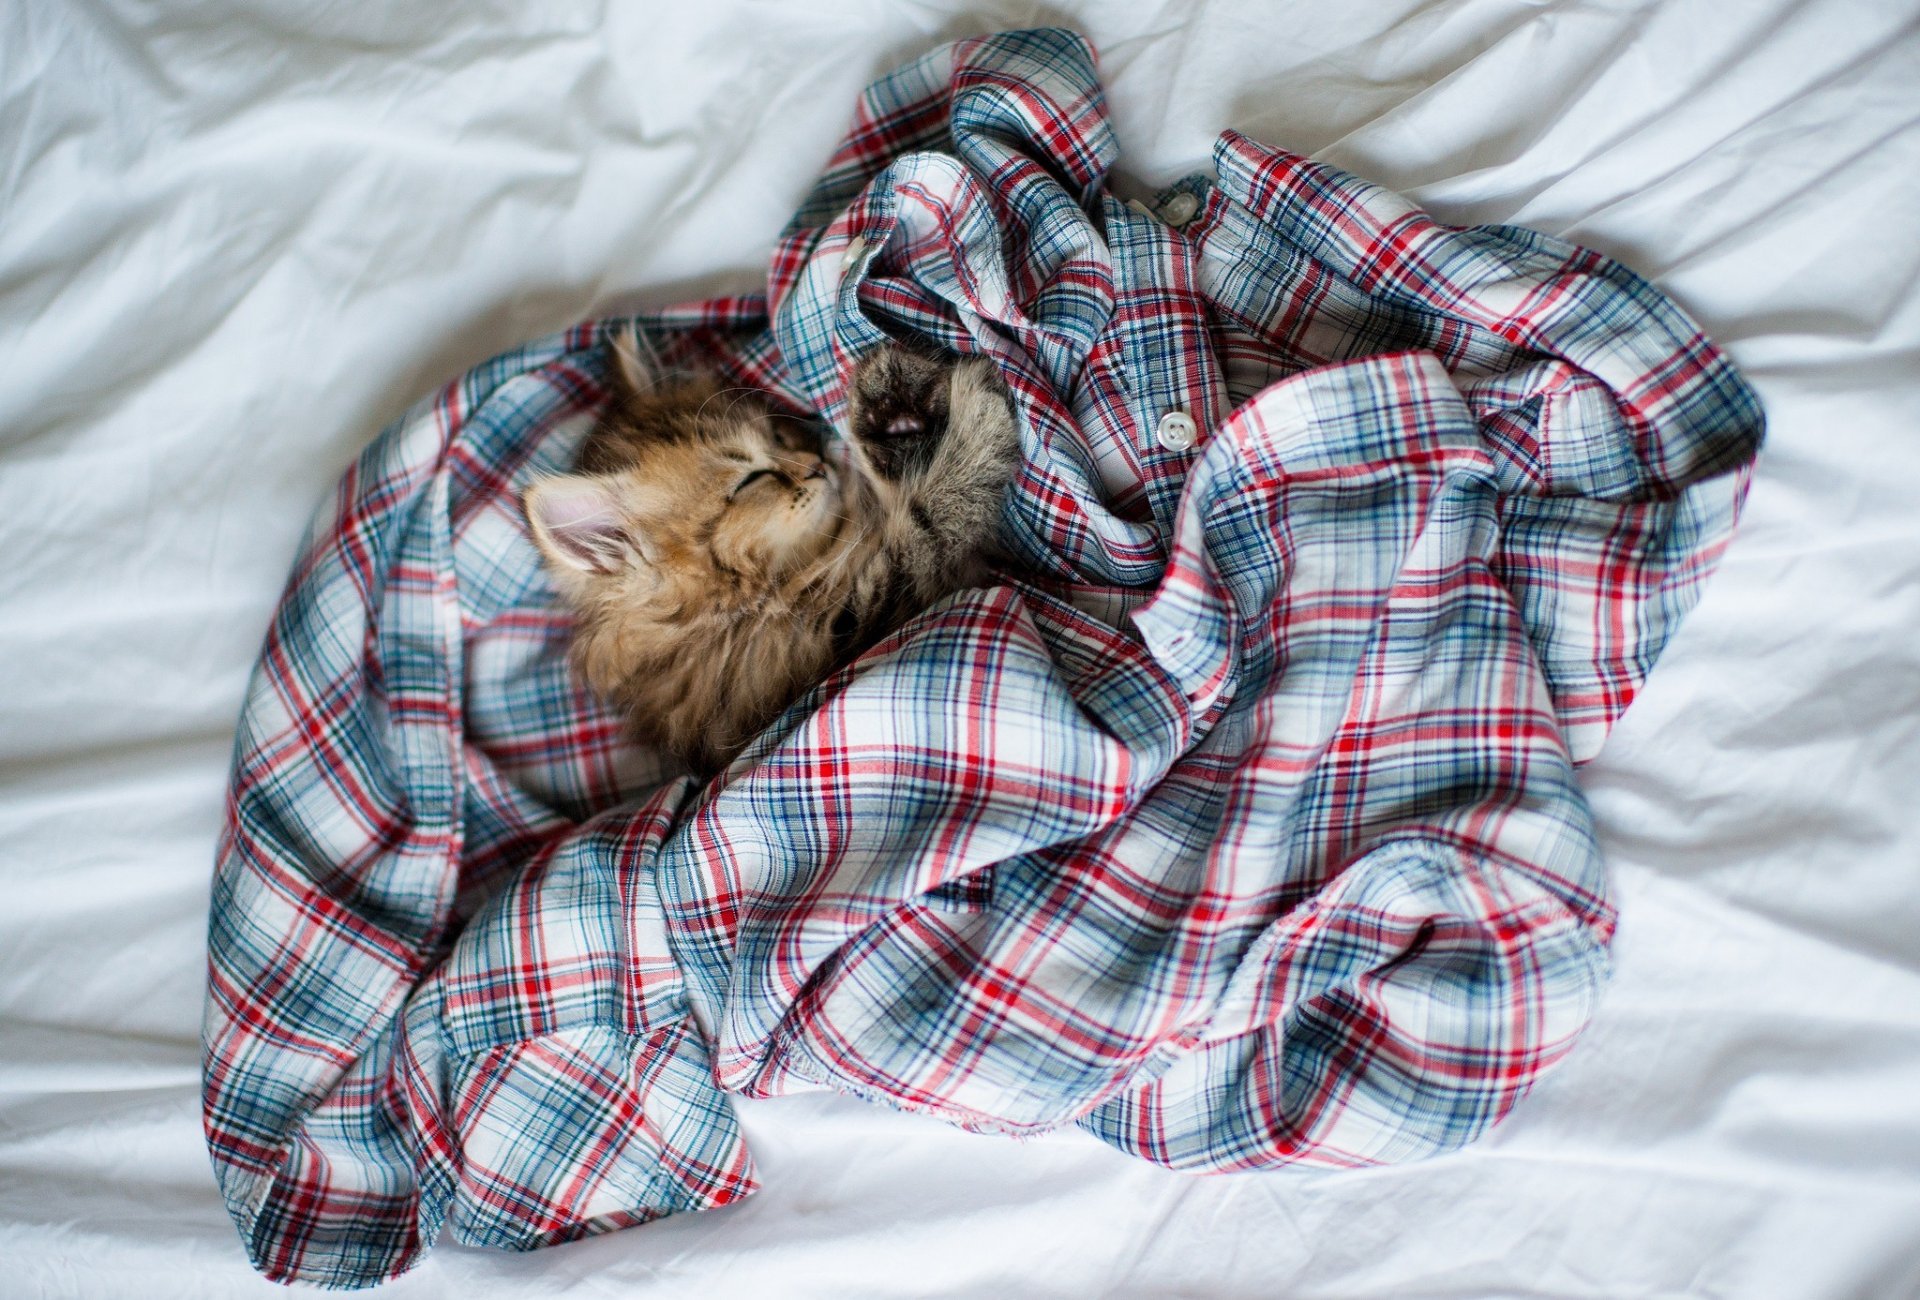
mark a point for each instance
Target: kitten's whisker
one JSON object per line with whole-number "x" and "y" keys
{"x": 744, "y": 393}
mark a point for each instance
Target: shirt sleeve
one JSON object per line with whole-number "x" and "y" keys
{"x": 439, "y": 991}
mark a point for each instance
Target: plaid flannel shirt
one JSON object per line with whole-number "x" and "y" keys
{"x": 1237, "y": 824}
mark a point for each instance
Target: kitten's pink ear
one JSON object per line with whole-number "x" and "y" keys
{"x": 576, "y": 523}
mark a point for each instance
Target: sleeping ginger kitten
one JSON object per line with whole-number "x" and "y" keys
{"x": 718, "y": 564}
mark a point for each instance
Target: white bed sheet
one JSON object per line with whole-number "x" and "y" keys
{"x": 236, "y": 239}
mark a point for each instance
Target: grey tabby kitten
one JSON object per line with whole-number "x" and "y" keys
{"x": 719, "y": 564}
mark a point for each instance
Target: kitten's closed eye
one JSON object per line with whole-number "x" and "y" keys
{"x": 758, "y": 476}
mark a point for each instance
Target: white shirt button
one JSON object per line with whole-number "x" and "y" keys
{"x": 1176, "y": 431}
{"x": 856, "y": 249}
{"x": 1180, "y": 209}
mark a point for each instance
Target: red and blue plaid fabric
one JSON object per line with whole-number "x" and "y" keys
{"x": 1236, "y": 825}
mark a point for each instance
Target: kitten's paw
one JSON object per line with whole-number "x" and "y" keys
{"x": 897, "y": 407}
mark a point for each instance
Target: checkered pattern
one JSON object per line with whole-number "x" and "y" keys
{"x": 1237, "y": 824}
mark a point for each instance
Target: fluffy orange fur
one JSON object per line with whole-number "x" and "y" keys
{"x": 718, "y": 563}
